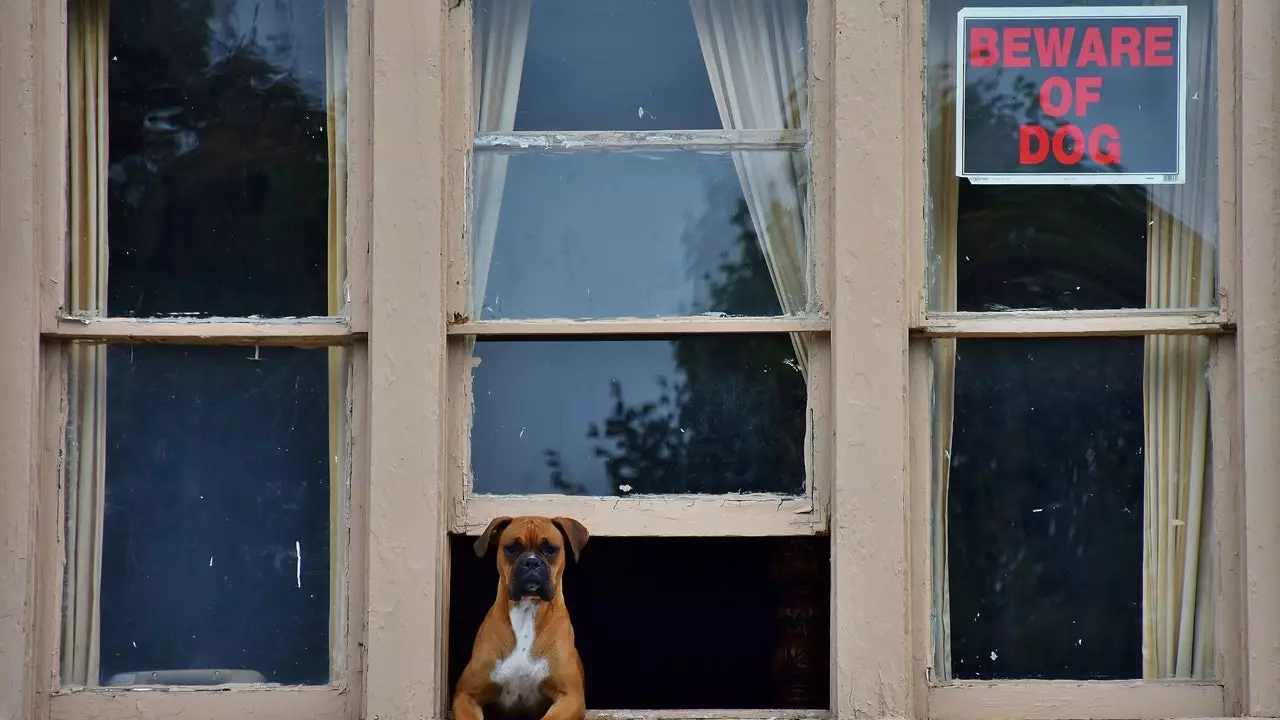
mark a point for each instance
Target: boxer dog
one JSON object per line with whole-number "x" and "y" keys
{"x": 524, "y": 661}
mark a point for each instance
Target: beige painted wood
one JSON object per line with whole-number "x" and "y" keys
{"x": 871, "y": 633}
{"x": 301, "y": 332}
{"x": 51, "y": 504}
{"x": 919, "y": 500}
{"x": 653, "y": 515}
{"x": 1260, "y": 350}
{"x": 359, "y": 161}
{"x": 314, "y": 703}
{"x": 1227, "y": 510}
{"x": 405, "y": 644}
{"x": 53, "y": 170}
{"x": 1067, "y": 700}
{"x": 1072, "y": 323}
{"x": 688, "y": 140}
{"x": 19, "y": 357}
{"x": 638, "y": 326}
{"x": 1229, "y": 114}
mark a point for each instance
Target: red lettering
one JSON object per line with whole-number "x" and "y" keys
{"x": 1111, "y": 154}
{"x": 1017, "y": 40}
{"x": 1056, "y": 48}
{"x": 1027, "y": 156}
{"x": 1091, "y": 50}
{"x": 1076, "y": 136}
{"x": 982, "y": 47}
{"x": 1059, "y": 83}
{"x": 1124, "y": 43}
{"x": 1087, "y": 93}
{"x": 1159, "y": 39}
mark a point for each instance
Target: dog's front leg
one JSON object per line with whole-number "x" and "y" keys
{"x": 467, "y": 707}
{"x": 567, "y": 706}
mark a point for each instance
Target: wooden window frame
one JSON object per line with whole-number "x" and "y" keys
{"x": 409, "y": 70}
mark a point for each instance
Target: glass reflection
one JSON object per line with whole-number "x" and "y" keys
{"x": 215, "y": 538}
{"x": 225, "y": 120}
{"x": 621, "y": 234}
{"x": 640, "y": 65}
{"x": 695, "y": 414}
{"x": 995, "y": 248}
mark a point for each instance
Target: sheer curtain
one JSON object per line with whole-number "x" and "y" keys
{"x": 501, "y": 31}
{"x": 87, "y": 27}
{"x": 1177, "y": 592}
{"x": 755, "y": 56}
{"x": 88, "y": 44}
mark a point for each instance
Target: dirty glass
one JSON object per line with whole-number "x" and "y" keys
{"x": 694, "y": 414}
{"x": 637, "y": 65}
{"x": 1072, "y": 480}
{"x": 1009, "y": 245}
{"x": 225, "y": 122}
{"x": 205, "y": 474}
{"x": 642, "y": 235}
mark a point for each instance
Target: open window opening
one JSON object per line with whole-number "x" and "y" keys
{"x": 720, "y": 623}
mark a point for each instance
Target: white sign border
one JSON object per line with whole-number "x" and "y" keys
{"x": 1178, "y": 12}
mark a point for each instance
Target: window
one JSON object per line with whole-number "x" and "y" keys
{"x": 1079, "y": 451}
{"x": 208, "y": 477}
{"x": 641, "y": 340}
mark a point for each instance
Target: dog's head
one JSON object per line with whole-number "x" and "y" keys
{"x": 531, "y": 552}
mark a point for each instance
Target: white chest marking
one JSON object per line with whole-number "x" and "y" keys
{"x": 520, "y": 675}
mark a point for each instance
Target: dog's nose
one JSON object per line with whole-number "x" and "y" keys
{"x": 531, "y": 562}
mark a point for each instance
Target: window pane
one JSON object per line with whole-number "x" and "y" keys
{"x": 641, "y": 235}
{"x": 209, "y": 469}
{"x": 1005, "y": 246}
{"x": 208, "y": 157}
{"x": 1072, "y": 477}
{"x": 695, "y": 414}
{"x": 651, "y": 65}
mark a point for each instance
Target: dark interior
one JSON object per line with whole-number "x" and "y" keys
{"x": 671, "y": 623}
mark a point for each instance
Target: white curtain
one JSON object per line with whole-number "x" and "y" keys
{"x": 501, "y": 31}
{"x": 755, "y": 52}
{"x": 1181, "y": 249}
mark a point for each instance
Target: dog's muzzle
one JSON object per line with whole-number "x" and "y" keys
{"x": 531, "y": 576}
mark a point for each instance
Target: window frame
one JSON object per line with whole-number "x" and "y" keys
{"x": 411, "y": 61}
{"x": 1099, "y": 700}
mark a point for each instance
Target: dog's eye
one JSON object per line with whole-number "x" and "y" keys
{"x": 548, "y": 549}
{"x": 514, "y": 548}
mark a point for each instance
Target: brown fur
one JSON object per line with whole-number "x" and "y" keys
{"x": 563, "y": 691}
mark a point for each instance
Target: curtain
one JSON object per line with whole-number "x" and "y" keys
{"x": 501, "y": 32}
{"x": 335, "y": 39}
{"x": 86, "y": 452}
{"x": 1181, "y": 249}
{"x": 1176, "y": 576}
{"x": 755, "y": 56}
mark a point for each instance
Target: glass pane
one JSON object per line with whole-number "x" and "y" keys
{"x": 641, "y": 235}
{"x": 697, "y": 414}
{"x": 1075, "y": 511}
{"x": 640, "y": 65}
{"x": 211, "y": 136}
{"x": 209, "y": 468}
{"x": 1005, "y": 245}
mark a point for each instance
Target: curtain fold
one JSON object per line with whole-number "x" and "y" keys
{"x": 755, "y": 53}
{"x": 335, "y": 38}
{"x": 501, "y": 32}
{"x": 87, "y": 28}
{"x": 1181, "y": 251}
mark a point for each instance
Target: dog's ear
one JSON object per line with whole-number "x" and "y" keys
{"x": 575, "y": 533}
{"x": 496, "y": 526}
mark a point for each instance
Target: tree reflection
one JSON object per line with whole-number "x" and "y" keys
{"x": 733, "y": 418}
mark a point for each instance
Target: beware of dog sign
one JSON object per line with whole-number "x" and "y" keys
{"x": 1072, "y": 95}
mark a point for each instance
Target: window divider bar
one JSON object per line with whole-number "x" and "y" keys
{"x": 1108, "y": 323}
{"x": 594, "y": 141}
{"x": 293, "y": 332}
{"x": 636, "y": 326}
